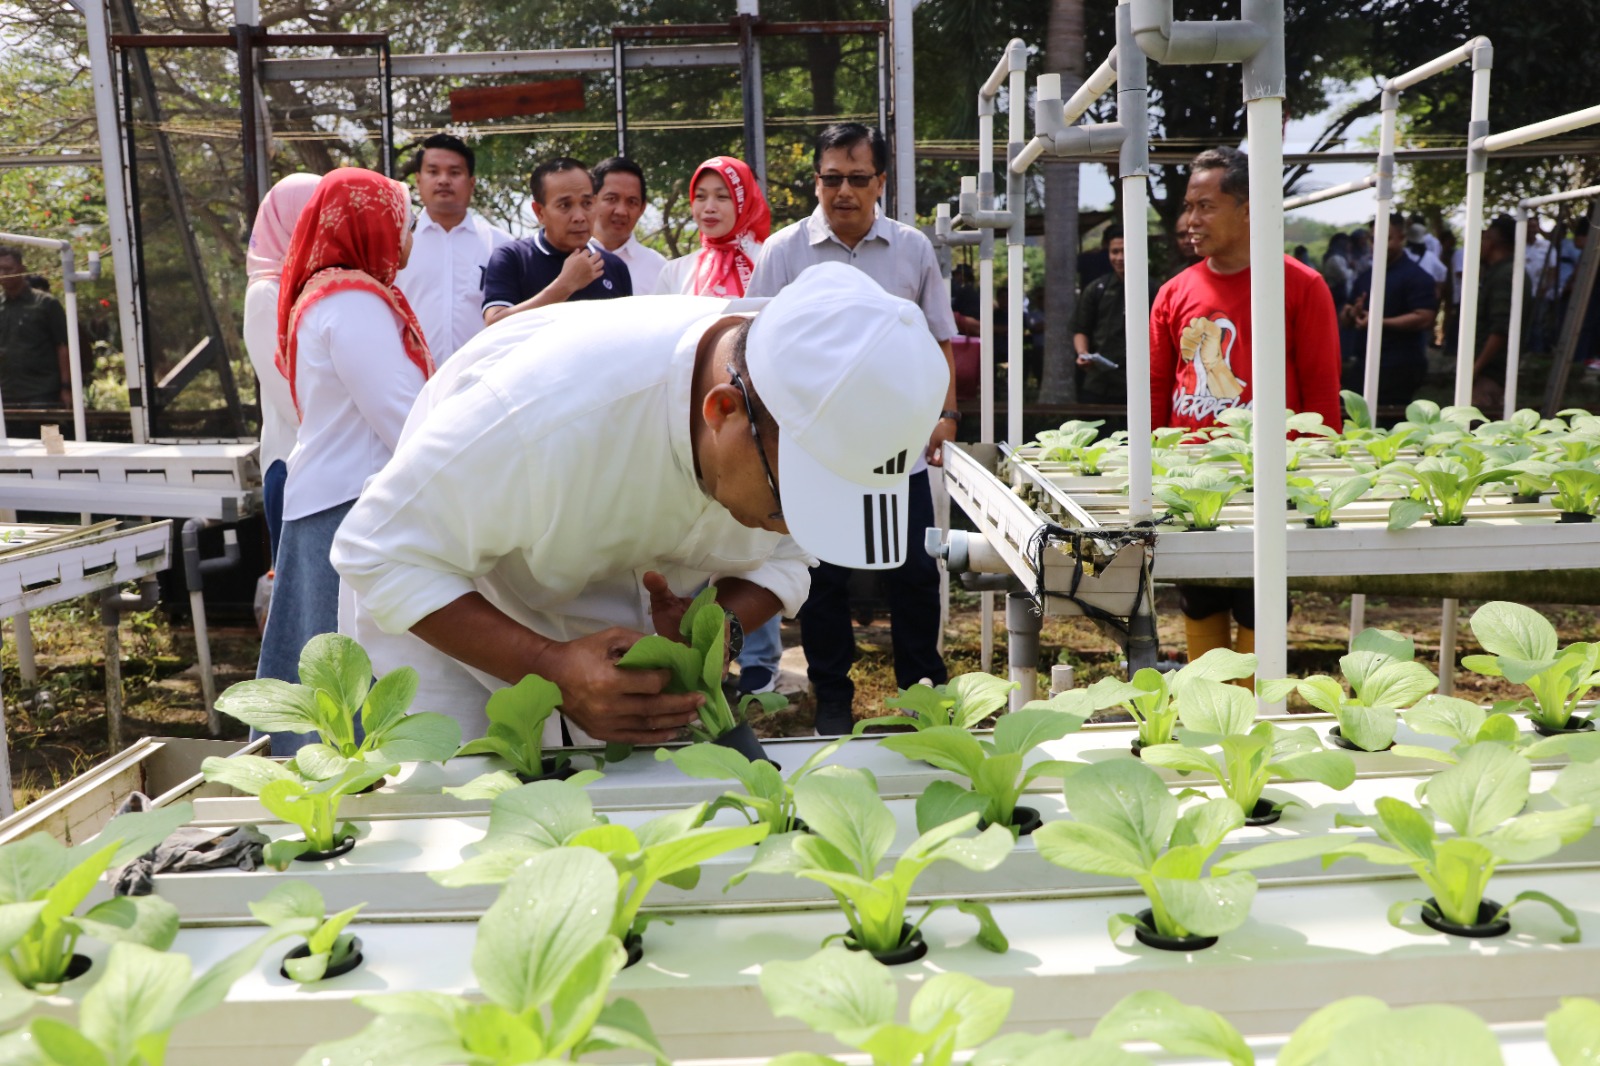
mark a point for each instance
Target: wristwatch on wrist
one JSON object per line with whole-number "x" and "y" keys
{"x": 735, "y": 636}
{"x": 952, "y": 415}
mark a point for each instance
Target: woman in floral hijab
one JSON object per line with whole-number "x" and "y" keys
{"x": 355, "y": 359}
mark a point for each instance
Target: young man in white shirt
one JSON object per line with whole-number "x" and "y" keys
{"x": 561, "y": 484}
{"x": 619, "y": 204}
{"x": 451, "y": 247}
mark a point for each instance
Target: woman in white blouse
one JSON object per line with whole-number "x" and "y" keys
{"x": 269, "y": 243}
{"x": 734, "y": 220}
{"x": 355, "y": 359}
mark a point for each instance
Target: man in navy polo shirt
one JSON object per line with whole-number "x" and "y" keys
{"x": 560, "y": 262}
{"x": 1410, "y": 303}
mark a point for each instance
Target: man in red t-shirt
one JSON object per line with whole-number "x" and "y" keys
{"x": 1201, "y": 354}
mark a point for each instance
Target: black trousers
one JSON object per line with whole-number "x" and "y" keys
{"x": 827, "y": 628}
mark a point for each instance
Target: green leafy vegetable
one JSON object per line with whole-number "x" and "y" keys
{"x": 336, "y": 685}
{"x": 965, "y": 702}
{"x": 767, "y": 797}
{"x": 1479, "y": 799}
{"x": 994, "y": 767}
{"x": 298, "y": 793}
{"x": 1383, "y": 679}
{"x": 1441, "y": 487}
{"x": 294, "y": 908}
{"x": 1522, "y": 647}
{"x": 1310, "y": 499}
{"x": 43, "y": 882}
{"x": 517, "y": 715}
{"x": 1198, "y": 495}
{"x": 696, "y": 666}
{"x": 1246, "y": 762}
{"x": 1361, "y": 1030}
{"x": 1573, "y": 1032}
{"x": 545, "y": 957}
{"x": 851, "y": 832}
{"x": 524, "y": 821}
{"x": 1154, "y": 698}
{"x": 1126, "y": 824}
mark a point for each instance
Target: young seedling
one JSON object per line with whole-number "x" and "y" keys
{"x": 335, "y": 689}
{"x": 1466, "y": 723}
{"x": 1154, "y": 698}
{"x": 516, "y": 731}
{"x": 767, "y": 799}
{"x": 1523, "y": 648}
{"x": 1479, "y": 799}
{"x": 1383, "y": 679}
{"x": 1125, "y": 823}
{"x": 545, "y": 957}
{"x": 43, "y": 882}
{"x": 963, "y": 703}
{"x": 852, "y": 830}
{"x": 296, "y": 909}
{"x": 547, "y": 815}
{"x": 1438, "y": 427}
{"x": 1320, "y": 498}
{"x": 1198, "y": 495}
{"x": 306, "y": 791}
{"x": 127, "y": 1018}
{"x": 698, "y": 666}
{"x": 1577, "y": 488}
{"x": 1251, "y": 753}
{"x": 1080, "y": 444}
{"x": 1442, "y": 487}
{"x": 994, "y": 767}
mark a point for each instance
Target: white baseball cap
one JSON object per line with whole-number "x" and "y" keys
{"x": 855, "y": 382}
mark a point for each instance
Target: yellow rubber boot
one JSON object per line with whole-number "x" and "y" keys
{"x": 1246, "y": 643}
{"x": 1204, "y": 634}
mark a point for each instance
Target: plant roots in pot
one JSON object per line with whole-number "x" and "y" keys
{"x": 1574, "y": 725}
{"x": 339, "y": 969}
{"x": 1023, "y": 819}
{"x": 1486, "y": 925}
{"x": 550, "y": 769}
{"x": 742, "y": 739}
{"x": 1265, "y": 812}
{"x": 333, "y": 853}
{"x": 908, "y": 951}
{"x": 634, "y": 943}
{"x": 1574, "y": 516}
{"x": 1349, "y": 745}
{"x": 1164, "y": 942}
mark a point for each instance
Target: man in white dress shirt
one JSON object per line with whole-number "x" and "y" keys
{"x": 619, "y": 203}
{"x": 452, "y": 245}
{"x": 561, "y": 484}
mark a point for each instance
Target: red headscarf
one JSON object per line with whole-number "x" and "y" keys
{"x": 727, "y": 262}
{"x": 348, "y": 238}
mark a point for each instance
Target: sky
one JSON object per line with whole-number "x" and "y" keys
{"x": 1299, "y": 136}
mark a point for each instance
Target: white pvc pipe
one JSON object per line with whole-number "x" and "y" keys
{"x": 1380, "y": 273}
{"x": 1029, "y": 155}
{"x": 1471, "y": 247}
{"x": 905, "y": 131}
{"x": 1136, "y": 300}
{"x": 1264, "y": 118}
{"x": 1519, "y": 278}
{"x": 1435, "y": 66}
{"x": 1586, "y": 193}
{"x": 991, "y": 88}
{"x": 1447, "y": 648}
{"x": 1332, "y": 192}
{"x": 1573, "y": 120}
{"x": 1016, "y": 283}
{"x": 1097, "y": 85}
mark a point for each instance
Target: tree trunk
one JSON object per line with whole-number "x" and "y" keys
{"x": 1064, "y": 55}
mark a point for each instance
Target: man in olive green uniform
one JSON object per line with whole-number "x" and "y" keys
{"x": 1494, "y": 313}
{"x": 1098, "y": 330}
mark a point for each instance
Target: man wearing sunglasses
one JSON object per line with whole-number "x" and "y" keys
{"x": 568, "y": 475}
{"x": 847, "y": 227}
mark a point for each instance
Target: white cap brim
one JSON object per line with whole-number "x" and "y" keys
{"x": 841, "y": 521}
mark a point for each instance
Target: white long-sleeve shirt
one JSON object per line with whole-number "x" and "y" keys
{"x": 549, "y": 467}
{"x": 356, "y": 386}
{"x": 644, "y": 265}
{"x": 443, "y": 279}
{"x": 279, "y": 423}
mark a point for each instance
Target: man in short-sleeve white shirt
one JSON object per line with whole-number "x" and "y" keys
{"x": 619, "y": 204}
{"x": 847, "y": 227}
{"x": 580, "y": 465}
{"x": 443, "y": 282}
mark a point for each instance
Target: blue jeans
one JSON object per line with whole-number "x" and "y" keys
{"x": 763, "y": 648}
{"x": 272, "y": 504}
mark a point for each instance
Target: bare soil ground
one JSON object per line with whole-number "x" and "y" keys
{"x": 58, "y": 737}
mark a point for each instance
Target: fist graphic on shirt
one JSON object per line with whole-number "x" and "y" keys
{"x": 1201, "y": 342}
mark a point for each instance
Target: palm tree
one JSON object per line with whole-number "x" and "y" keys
{"x": 1064, "y": 54}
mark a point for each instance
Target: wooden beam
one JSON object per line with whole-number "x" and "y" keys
{"x": 507, "y": 101}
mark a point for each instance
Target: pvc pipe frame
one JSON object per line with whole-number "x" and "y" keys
{"x": 1519, "y": 281}
{"x": 70, "y": 276}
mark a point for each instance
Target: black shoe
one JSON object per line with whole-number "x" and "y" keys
{"x": 835, "y": 720}
{"x": 756, "y": 679}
